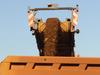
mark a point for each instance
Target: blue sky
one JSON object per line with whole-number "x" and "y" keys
{"x": 16, "y": 39}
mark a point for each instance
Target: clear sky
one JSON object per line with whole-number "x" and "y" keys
{"x": 16, "y": 39}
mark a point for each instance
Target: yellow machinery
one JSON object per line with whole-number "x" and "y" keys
{"x": 54, "y": 37}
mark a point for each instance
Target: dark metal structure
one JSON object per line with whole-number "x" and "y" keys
{"x": 54, "y": 38}
{"x": 52, "y": 41}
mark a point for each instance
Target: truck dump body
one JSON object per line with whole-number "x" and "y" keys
{"x": 31, "y": 65}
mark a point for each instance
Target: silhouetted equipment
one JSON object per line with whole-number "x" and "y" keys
{"x": 77, "y": 31}
{"x": 54, "y": 37}
{"x": 52, "y": 41}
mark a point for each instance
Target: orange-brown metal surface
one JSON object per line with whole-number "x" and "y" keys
{"x": 32, "y": 65}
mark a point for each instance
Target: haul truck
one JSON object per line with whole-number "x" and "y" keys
{"x": 55, "y": 42}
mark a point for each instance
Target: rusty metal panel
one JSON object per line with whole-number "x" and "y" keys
{"x": 32, "y": 65}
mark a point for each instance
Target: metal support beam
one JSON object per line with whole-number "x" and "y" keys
{"x": 61, "y": 8}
